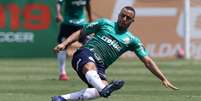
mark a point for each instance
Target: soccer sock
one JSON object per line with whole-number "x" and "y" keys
{"x": 94, "y": 79}
{"x": 85, "y": 94}
{"x": 61, "y": 57}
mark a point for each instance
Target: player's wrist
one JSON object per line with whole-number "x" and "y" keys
{"x": 163, "y": 79}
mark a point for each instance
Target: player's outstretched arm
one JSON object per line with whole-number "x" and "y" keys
{"x": 150, "y": 64}
{"x": 72, "y": 38}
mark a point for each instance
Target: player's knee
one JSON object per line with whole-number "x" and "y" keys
{"x": 89, "y": 66}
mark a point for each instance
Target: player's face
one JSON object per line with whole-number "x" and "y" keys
{"x": 125, "y": 18}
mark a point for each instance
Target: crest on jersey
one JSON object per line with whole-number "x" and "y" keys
{"x": 126, "y": 40}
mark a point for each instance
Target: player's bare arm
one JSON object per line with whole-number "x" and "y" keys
{"x": 59, "y": 17}
{"x": 151, "y": 65}
{"x": 72, "y": 38}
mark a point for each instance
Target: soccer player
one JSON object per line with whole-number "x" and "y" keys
{"x": 73, "y": 20}
{"x": 111, "y": 40}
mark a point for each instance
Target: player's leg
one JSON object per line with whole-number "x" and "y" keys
{"x": 65, "y": 31}
{"x": 92, "y": 72}
{"x": 90, "y": 93}
{"x": 93, "y": 75}
{"x": 84, "y": 64}
{"x": 61, "y": 56}
{"x": 78, "y": 60}
{"x": 82, "y": 95}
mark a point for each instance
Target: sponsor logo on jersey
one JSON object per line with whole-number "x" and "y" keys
{"x": 112, "y": 42}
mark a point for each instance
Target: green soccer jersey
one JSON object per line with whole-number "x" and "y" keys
{"x": 74, "y": 11}
{"x": 108, "y": 43}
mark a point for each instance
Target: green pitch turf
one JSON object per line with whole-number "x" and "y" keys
{"x": 36, "y": 80}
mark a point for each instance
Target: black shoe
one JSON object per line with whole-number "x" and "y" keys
{"x": 58, "y": 98}
{"x": 114, "y": 85}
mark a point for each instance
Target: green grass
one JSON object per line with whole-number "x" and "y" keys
{"x": 36, "y": 80}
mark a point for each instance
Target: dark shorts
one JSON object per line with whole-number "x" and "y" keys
{"x": 66, "y": 30}
{"x": 83, "y": 56}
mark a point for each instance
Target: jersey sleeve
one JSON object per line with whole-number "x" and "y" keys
{"x": 138, "y": 47}
{"x": 93, "y": 27}
{"x": 88, "y": 29}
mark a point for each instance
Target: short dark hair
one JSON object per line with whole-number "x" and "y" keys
{"x": 130, "y": 8}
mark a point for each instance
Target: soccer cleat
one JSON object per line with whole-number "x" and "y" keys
{"x": 58, "y": 98}
{"x": 63, "y": 77}
{"x": 114, "y": 85}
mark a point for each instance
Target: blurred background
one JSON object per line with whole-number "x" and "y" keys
{"x": 28, "y": 27}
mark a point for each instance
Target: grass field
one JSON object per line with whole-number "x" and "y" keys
{"x": 36, "y": 80}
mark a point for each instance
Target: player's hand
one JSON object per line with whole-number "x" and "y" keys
{"x": 59, "y": 18}
{"x": 167, "y": 84}
{"x": 59, "y": 47}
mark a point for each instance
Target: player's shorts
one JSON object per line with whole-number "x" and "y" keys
{"x": 66, "y": 30}
{"x": 83, "y": 56}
